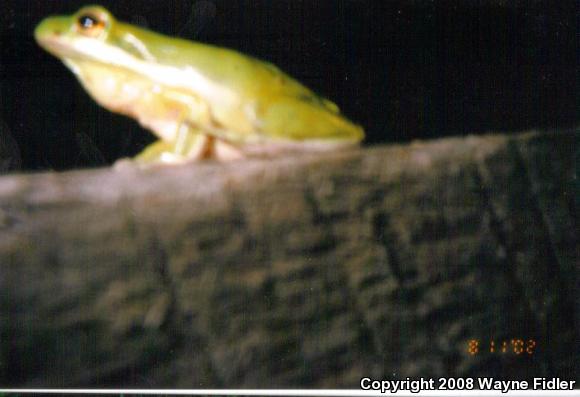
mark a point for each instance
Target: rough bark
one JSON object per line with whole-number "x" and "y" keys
{"x": 310, "y": 271}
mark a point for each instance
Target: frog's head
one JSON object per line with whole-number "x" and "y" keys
{"x": 93, "y": 35}
{"x": 82, "y": 35}
{"x": 101, "y": 51}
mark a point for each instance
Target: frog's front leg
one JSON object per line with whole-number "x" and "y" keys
{"x": 192, "y": 144}
{"x": 188, "y": 146}
{"x": 182, "y": 141}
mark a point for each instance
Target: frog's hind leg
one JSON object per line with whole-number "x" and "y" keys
{"x": 313, "y": 124}
{"x": 189, "y": 145}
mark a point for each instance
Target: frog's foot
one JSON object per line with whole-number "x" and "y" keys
{"x": 131, "y": 164}
{"x": 191, "y": 148}
{"x": 162, "y": 152}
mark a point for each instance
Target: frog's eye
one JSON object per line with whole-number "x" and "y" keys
{"x": 90, "y": 25}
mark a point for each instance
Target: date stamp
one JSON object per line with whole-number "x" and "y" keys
{"x": 515, "y": 346}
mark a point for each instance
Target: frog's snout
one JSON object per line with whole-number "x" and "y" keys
{"x": 49, "y": 29}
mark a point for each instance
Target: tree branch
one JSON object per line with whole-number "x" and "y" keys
{"x": 296, "y": 272}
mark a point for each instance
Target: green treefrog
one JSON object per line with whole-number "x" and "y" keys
{"x": 201, "y": 101}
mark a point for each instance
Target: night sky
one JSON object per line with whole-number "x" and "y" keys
{"x": 403, "y": 69}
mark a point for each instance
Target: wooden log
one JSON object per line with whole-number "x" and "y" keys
{"x": 309, "y": 271}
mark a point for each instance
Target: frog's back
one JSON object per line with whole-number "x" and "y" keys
{"x": 282, "y": 108}
{"x": 246, "y": 75}
{"x": 286, "y": 109}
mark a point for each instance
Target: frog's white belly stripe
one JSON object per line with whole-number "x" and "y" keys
{"x": 188, "y": 77}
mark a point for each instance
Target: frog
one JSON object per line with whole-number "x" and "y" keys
{"x": 201, "y": 101}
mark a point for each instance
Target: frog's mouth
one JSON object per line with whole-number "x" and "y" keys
{"x": 55, "y": 46}
{"x": 62, "y": 47}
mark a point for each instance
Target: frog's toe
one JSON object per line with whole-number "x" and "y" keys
{"x": 171, "y": 158}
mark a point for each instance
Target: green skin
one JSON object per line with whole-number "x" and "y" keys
{"x": 201, "y": 101}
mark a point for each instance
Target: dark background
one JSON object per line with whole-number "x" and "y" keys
{"x": 403, "y": 69}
